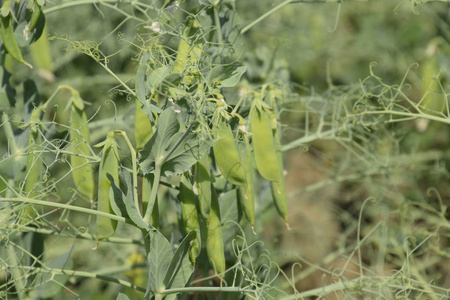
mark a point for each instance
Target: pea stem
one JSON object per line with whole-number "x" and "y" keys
{"x": 17, "y": 276}
{"x": 81, "y": 274}
{"x": 218, "y": 27}
{"x": 64, "y": 206}
{"x": 246, "y": 28}
{"x": 117, "y": 78}
{"x": 9, "y": 134}
{"x": 153, "y": 194}
{"x": 84, "y": 236}
{"x": 208, "y": 289}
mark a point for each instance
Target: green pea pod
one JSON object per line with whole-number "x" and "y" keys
{"x": 42, "y": 56}
{"x": 435, "y": 100}
{"x": 246, "y": 193}
{"x": 109, "y": 164}
{"x": 142, "y": 127}
{"x": 147, "y": 183}
{"x": 9, "y": 40}
{"x": 82, "y": 172}
{"x": 263, "y": 144}
{"x": 279, "y": 187}
{"x": 203, "y": 185}
{"x": 34, "y": 171}
{"x": 190, "y": 216}
{"x": 226, "y": 154}
{"x": 214, "y": 240}
{"x": 187, "y": 56}
{"x": 35, "y": 14}
{"x": 33, "y": 179}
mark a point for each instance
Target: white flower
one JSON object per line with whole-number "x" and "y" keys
{"x": 173, "y": 7}
{"x": 176, "y": 108}
{"x": 155, "y": 27}
{"x": 243, "y": 128}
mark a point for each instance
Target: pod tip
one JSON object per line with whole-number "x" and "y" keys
{"x": 287, "y": 225}
{"x": 253, "y": 230}
{"x": 96, "y": 245}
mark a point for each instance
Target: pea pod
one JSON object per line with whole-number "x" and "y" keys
{"x": 82, "y": 172}
{"x": 187, "y": 56}
{"x": 9, "y": 40}
{"x": 226, "y": 153}
{"x": 142, "y": 127}
{"x": 42, "y": 56}
{"x": 214, "y": 240}
{"x": 109, "y": 164}
{"x": 189, "y": 215}
{"x": 263, "y": 144}
{"x": 147, "y": 183}
{"x": 434, "y": 101}
{"x": 203, "y": 185}
{"x": 33, "y": 179}
{"x": 278, "y": 187}
{"x": 34, "y": 168}
{"x": 35, "y": 14}
{"x": 246, "y": 193}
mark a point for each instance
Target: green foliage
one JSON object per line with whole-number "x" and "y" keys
{"x": 353, "y": 152}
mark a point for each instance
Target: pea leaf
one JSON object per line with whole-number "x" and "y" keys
{"x": 226, "y": 76}
{"x": 229, "y": 214}
{"x": 188, "y": 152}
{"x": 141, "y": 87}
{"x": 180, "y": 269}
{"x": 157, "y": 77}
{"x": 159, "y": 259}
{"x": 7, "y": 91}
{"x": 6, "y": 8}
{"x": 158, "y": 145}
{"x": 187, "y": 148}
{"x": 122, "y": 297}
{"x": 124, "y": 205}
{"x": 52, "y": 283}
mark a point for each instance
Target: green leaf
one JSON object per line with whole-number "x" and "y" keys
{"x": 141, "y": 88}
{"x": 76, "y": 99}
{"x": 229, "y": 214}
{"x": 157, "y": 77}
{"x": 187, "y": 148}
{"x": 180, "y": 269}
{"x": 10, "y": 42}
{"x": 52, "y": 283}
{"x": 226, "y": 76}
{"x": 141, "y": 91}
{"x": 124, "y": 205}
{"x": 188, "y": 152}
{"x": 7, "y": 91}
{"x": 122, "y": 297}
{"x": 6, "y": 8}
{"x": 34, "y": 243}
{"x": 4, "y": 102}
{"x": 159, "y": 144}
{"x": 159, "y": 259}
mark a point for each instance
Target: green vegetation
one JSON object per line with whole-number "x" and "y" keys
{"x": 221, "y": 149}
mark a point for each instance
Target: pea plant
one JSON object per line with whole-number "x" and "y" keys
{"x": 168, "y": 179}
{"x": 186, "y": 136}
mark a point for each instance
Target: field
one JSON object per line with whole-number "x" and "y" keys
{"x": 221, "y": 149}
